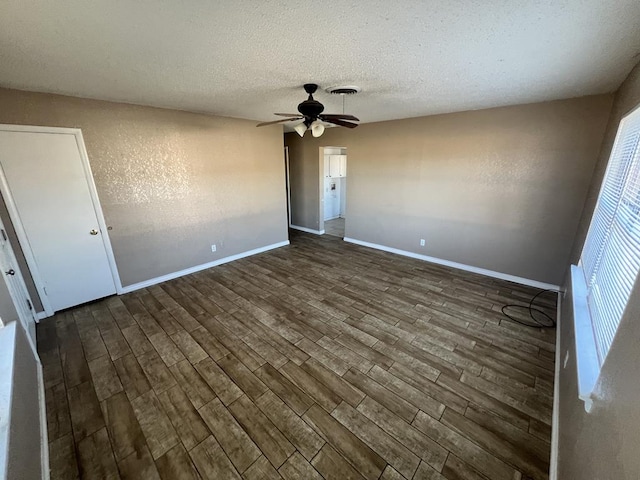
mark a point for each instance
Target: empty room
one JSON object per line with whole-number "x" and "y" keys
{"x": 320, "y": 240}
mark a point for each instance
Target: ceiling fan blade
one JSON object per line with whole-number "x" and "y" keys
{"x": 340, "y": 117}
{"x": 342, "y": 123}
{"x": 287, "y": 114}
{"x": 278, "y": 121}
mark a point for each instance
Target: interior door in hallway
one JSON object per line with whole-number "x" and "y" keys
{"x": 46, "y": 188}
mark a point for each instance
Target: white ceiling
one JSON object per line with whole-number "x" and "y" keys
{"x": 249, "y": 58}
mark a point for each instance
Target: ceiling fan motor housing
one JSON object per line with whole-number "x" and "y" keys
{"x": 310, "y": 108}
{"x": 311, "y": 111}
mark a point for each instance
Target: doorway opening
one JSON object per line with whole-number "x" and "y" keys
{"x": 334, "y": 190}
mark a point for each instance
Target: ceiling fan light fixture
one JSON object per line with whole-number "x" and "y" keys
{"x": 317, "y": 128}
{"x": 310, "y": 112}
{"x": 300, "y": 129}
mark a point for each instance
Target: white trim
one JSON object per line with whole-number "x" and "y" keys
{"x": 332, "y": 218}
{"x": 8, "y": 356}
{"x": 288, "y": 181}
{"x": 44, "y": 435}
{"x": 555, "y": 419}
{"x": 587, "y": 363}
{"x": 16, "y": 296}
{"x": 320, "y": 189}
{"x": 41, "y": 316}
{"x": 204, "y": 266}
{"x": 460, "y": 266}
{"x": 8, "y": 336}
{"x": 15, "y": 217}
{"x": 308, "y": 230}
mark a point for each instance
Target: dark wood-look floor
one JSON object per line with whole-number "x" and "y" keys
{"x": 317, "y": 360}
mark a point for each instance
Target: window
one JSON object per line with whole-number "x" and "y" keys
{"x": 610, "y": 258}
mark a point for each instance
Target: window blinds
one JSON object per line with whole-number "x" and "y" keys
{"x": 611, "y": 254}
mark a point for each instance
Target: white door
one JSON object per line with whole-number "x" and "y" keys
{"x": 336, "y": 198}
{"x": 44, "y": 179}
{"x": 331, "y": 198}
{"x": 16, "y": 286}
{"x": 328, "y": 203}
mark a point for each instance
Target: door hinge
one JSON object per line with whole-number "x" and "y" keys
{"x": 4, "y": 235}
{"x": 29, "y": 304}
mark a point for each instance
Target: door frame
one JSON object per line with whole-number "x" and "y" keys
{"x": 15, "y": 296}
{"x": 321, "y": 197}
{"x": 17, "y": 222}
{"x": 288, "y": 184}
{"x": 321, "y": 190}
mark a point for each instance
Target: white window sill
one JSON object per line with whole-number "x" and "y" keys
{"x": 588, "y": 365}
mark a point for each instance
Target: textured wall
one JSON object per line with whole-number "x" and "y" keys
{"x": 603, "y": 444}
{"x": 171, "y": 183}
{"x": 627, "y": 98}
{"x": 500, "y": 189}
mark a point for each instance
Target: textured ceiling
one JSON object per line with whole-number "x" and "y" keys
{"x": 248, "y": 59}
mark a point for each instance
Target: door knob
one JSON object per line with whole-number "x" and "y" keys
{"x": 94, "y": 232}
{"x": 10, "y": 272}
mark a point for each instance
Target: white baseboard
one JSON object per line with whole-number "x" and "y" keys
{"x": 555, "y": 418}
{"x": 308, "y": 230}
{"x": 197, "y": 268}
{"x": 460, "y": 266}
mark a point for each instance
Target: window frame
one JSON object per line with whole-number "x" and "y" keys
{"x": 589, "y": 360}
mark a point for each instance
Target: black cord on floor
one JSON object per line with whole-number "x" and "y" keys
{"x": 542, "y": 322}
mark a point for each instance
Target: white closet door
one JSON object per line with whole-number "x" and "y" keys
{"x": 46, "y": 181}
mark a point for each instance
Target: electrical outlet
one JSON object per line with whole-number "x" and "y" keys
{"x": 213, "y": 247}
{"x": 422, "y": 242}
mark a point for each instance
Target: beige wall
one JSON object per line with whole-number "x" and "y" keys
{"x": 171, "y": 183}
{"x": 604, "y": 443}
{"x": 304, "y": 185}
{"x": 500, "y": 189}
{"x": 626, "y": 99}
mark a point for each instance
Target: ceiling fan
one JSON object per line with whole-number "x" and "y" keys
{"x": 312, "y": 116}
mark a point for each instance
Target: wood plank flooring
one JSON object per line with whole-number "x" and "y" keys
{"x": 317, "y": 360}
